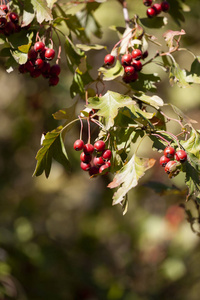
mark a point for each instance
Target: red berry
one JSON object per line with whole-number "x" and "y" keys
{"x": 3, "y": 22}
{"x": 109, "y": 60}
{"x": 103, "y": 168}
{"x": 164, "y": 160}
{"x": 53, "y": 81}
{"x": 39, "y": 63}
{"x": 98, "y": 161}
{"x": 136, "y": 54}
{"x": 86, "y": 158}
{"x": 46, "y": 69}
{"x": 85, "y": 166}
{"x": 32, "y": 54}
{"x": 13, "y": 17}
{"x": 49, "y": 54}
{"x": 99, "y": 146}
{"x": 169, "y": 152}
{"x": 129, "y": 70}
{"x": 22, "y": 69}
{"x": 29, "y": 66}
{"x": 126, "y": 59}
{"x": 130, "y": 78}
{"x": 55, "y": 70}
{"x": 42, "y": 53}
{"x": 157, "y": 7}
{"x": 78, "y": 145}
{"x": 165, "y": 6}
{"x": 137, "y": 65}
{"x": 88, "y": 148}
{"x": 151, "y": 12}
{"x": 4, "y": 8}
{"x": 169, "y": 166}
{"x": 93, "y": 171}
{"x": 108, "y": 163}
{"x": 145, "y": 54}
{"x": 181, "y": 156}
{"x": 35, "y": 73}
{"x": 39, "y": 46}
{"x": 9, "y": 28}
{"x": 147, "y": 2}
{"x": 107, "y": 154}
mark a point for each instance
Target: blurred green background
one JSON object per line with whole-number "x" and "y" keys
{"x": 61, "y": 238}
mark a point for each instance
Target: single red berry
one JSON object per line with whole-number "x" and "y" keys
{"x": 164, "y": 160}
{"x": 22, "y": 69}
{"x": 29, "y": 66}
{"x": 169, "y": 152}
{"x": 137, "y": 65}
{"x": 35, "y": 73}
{"x": 78, "y": 145}
{"x": 99, "y": 146}
{"x": 39, "y": 63}
{"x": 103, "y": 168}
{"x": 129, "y": 70}
{"x": 46, "y": 69}
{"x": 107, "y": 154}
{"x": 85, "y": 166}
{"x": 42, "y": 53}
{"x": 98, "y": 161}
{"x": 136, "y": 54}
{"x": 181, "y": 156}
{"x": 93, "y": 171}
{"x": 88, "y": 148}
{"x": 53, "y": 81}
{"x": 39, "y": 46}
{"x": 130, "y": 78}
{"x": 126, "y": 59}
{"x": 109, "y": 60}
{"x": 157, "y": 7}
{"x": 49, "y": 54}
{"x": 165, "y": 6}
{"x": 147, "y": 2}
{"x": 108, "y": 163}
{"x": 145, "y": 54}
{"x": 170, "y": 166}
{"x": 3, "y": 22}
{"x": 151, "y": 12}
{"x": 13, "y": 17}
{"x": 86, "y": 158}
{"x": 9, "y": 28}
{"x": 55, "y": 70}
{"x": 32, "y": 54}
{"x": 4, "y": 8}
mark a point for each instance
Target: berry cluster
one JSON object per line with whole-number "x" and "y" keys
{"x": 131, "y": 63}
{"x": 167, "y": 160}
{"x": 38, "y": 63}
{"x": 156, "y": 8}
{"x": 9, "y": 21}
{"x": 95, "y": 164}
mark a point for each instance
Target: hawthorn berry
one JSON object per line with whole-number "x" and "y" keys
{"x": 157, "y": 7}
{"x": 29, "y": 66}
{"x": 99, "y": 145}
{"x": 78, "y": 145}
{"x": 164, "y": 160}
{"x": 49, "y": 54}
{"x": 98, "y": 161}
{"x": 35, "y": 73}
{"x": 86, "y": 158}
{"x": 107, "y": 154}
{"x": 85, "y": 166}
{"x": 169, "y": 166}
{"x": 9, "y": 28}
{"x": 42, "y": 53}
{"x": 46, "y": 69}
{"x": 4, "y": 8}
{"x": 137, "y": 65}
{"x": 151, "y": 12}
{"x": 129, "y": 70}
{"x": 109, "y": 60}
{"x": 165, "y": 6}
{"x": 88, "y": 148}
{"x": 32, "y": 54}
{"x": 130, "y": 78}
{"x": 181, "y": 156}
{"x": 22, "y": 69}
{"x": 3, "y": 22}
{"x": 108, "y": 163}
{"x": 39, "y": 63}
{"x": 136, "y": 54}
{"x": 103, "y": 168}
{"x": 169, "y": 152}
{"x": 54, "y": 70}
{"x": 145, "y": 54}
{"x": 126, "y": 59}
{"x": 53, "y": 80}
{"x": 147, "y": 2}
{"x": 93, "y": 171}
{"x": 39, "y": 46}
{"x": 13, "y": 17}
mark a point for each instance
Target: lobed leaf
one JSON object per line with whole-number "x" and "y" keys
{"x": 112, "y": 73}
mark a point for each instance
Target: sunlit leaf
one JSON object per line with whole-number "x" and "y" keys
{"x": 42, "y": 11}
{"x": 154, "y": 101}
{"x": 112, "y": 73}
{"x": 90, "y": 47}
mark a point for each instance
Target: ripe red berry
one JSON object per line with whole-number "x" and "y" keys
{"x": 9, "y": 28}
{"x": 107, "y": 154}
{"x": 46, "y": 69}
{"x": 98, "y": 161}
{"x": 93, "y": 171}
{"x": 42, "y": 53}
{"x": 55, "y": 70}
{"x": 108, "y": 163}
{"x": 165, "y": 6}
{"x": 3, "y": 22}
{"x": 85, "y": 166}
{"x": 78, "y": 145}
{"x": 129, "y": 70}
{"x": 29, "y": 66}
{"x": 157, "y": 7}
{"x": 164, "y": 160}
{"x": 88, "y": 148}
{"x": 169, "y": 152}
{"x": 39, "y": 46}
{"x": 39, "y": 63}
{"x": 181, "y": 156}
{"x": 145, "y": 54}
{"x": 147, "y": 2}
{"x": 136, "y": 54}
{"x": 49, "y": 54}
{"x": 151, "y": 12}
{"x": 32, "y": 54}
{"x": 13, "y": 17}
{"x": 103, "y": 168}
{"x": 137, "y": 65}
{"x": 109, "y": 60}
{"x": 86, "y": 158}
{"x": 22, "y": 69}
{"x": 126, "y": 59}
{"x": 170, "y": 166}
{"x": 53, "y": 81}
{"x": 35, "y": 73}
{"x": 4, "y": 8}
{"x": 130, "y": 78}
{"x": 99, "y": 146}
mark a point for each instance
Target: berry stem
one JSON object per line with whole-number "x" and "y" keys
{"x": 172, "y": 119}
{"x": 160, "y": 137}
{"x": 81, "y": 131}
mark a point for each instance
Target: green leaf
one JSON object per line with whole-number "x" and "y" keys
{"x": 21, "y": 40}
{"x": 80, "y": 80}
{"x": 154, "y": 101}
{"x": 108, "y": 106}
{"x": 2, "y": 39}
{"x": 28, "y": 13}
{"x": 157, "y": 22}
{"x": 51, "y": 3}
{"x": 127, "y": 178}
{"x": 194, "y": 75}
{"x": 84, "y": 47}
{"x": 73, "y": 54}
{"x": 146, "y": 82}
{"x": 176, "y": 11}
{"x": 178, "y": 76}
{"x": 42, "y": 11}
{"x": 20, "y": 57}
{"x": 192, "y": 177}
{"x": 52, "y": 147}
{"x": 192, "y": 145}
{"x": 112, "y": 73}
